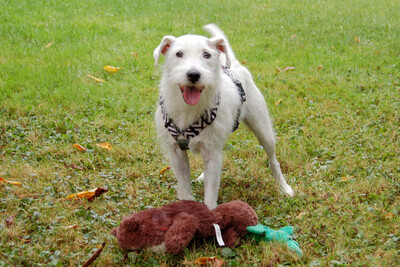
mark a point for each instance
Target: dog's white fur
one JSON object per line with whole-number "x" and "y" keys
{"x": 209, "y": 143}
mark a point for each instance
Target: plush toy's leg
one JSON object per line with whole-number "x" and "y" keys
{"x": 287, "y": 229}
{"x": 231, "y": 237}
{"x": 263, "y": 233}
{"x": 180, "y": 233}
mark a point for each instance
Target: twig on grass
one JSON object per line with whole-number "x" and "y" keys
{"x": 94, "y": 256}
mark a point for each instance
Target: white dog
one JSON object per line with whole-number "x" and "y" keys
{"x": 204, "y": 94}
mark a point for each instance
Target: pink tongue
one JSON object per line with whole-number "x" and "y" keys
{"x": 191, "y": 95}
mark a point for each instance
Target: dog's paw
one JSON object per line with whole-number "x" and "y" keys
{"x": 200, "y": 178}
{"x": 287, "y": 190}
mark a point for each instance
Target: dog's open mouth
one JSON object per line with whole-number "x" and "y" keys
{"x": 191, "y": 93}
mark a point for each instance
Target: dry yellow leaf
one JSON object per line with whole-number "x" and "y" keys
{"x": 301, "y": 214}
{"x": 89, "y": 195}
{"x": 96, "y": 79}
{"x": 111, "y": 69}
{"x": 49, "y": 44}
{"x": 389, "y": 215}
{"x": 79, "y": 147}
{"x": 2, "y": 180}
{"x": 279, "y": 101}
{"x": 345, "y": 179}
{"x": 285, "y": 69}
{"x": 134, "y": 55}
{"x": 164, "y": 170}
{"x": 105, "y": 145}
{"x": 67, "y": 227}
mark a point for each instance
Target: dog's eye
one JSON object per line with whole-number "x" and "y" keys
{"x": 179, "y": 54}
{"x": 206, "y": 55}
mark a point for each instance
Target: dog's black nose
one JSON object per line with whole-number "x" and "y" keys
{"x": 193, "y": 75}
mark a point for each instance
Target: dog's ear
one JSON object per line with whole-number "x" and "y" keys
{"x": 163, "y": 48}
{"x": 219, "y": 43}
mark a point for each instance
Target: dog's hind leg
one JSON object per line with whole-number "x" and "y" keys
{"x": 180, "y": 166}
{"x": 257, "y": 119}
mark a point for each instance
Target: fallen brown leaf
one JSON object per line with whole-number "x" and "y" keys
{"x": 134, "y": 55}
{"x": 209, "y": 261}
{"x": 2, "y": 180}
{"x": 79, "y": 147}
{"x": 73, "y": 166}
{"x": 389, "y": 215}
{"x": 24, "y": 240}
{"x": 164, "y": 170}
{"x": 89, "y": 195}
{"x": 10, "y": 220}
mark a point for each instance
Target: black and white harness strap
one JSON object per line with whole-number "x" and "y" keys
{"x": 183, "y": 137}
{"x": 193, "y": 130}
{"x": 241, "y": 93}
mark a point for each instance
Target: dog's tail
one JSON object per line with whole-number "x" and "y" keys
{"x": 215, "y": 31}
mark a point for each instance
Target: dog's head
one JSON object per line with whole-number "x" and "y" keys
{"x": 192, "y": 63}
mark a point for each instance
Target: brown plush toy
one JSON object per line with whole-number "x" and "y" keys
{"x": 173, "y": 226}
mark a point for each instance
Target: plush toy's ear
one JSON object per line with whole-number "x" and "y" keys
{"x": 114, "y": 231}
{"x": 163, "y": 48}
{"x": 219, "y": 43}
{"x": 130, "y": 225}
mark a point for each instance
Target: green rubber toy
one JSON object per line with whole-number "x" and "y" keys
{"x": 283, "y": 235}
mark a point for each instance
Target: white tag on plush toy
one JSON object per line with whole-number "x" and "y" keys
{"x": 218, "y": 235}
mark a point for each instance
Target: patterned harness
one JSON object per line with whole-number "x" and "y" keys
{"x": 206, "y": 119}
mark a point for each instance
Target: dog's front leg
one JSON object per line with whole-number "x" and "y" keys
{"x": 181, "y": 168}
{"x": 212, "y": 176}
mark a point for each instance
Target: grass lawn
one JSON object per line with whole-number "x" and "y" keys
{"x": 336, "y": 116}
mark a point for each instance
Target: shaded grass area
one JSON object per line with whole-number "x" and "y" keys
{"x": 337, "y": 127}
